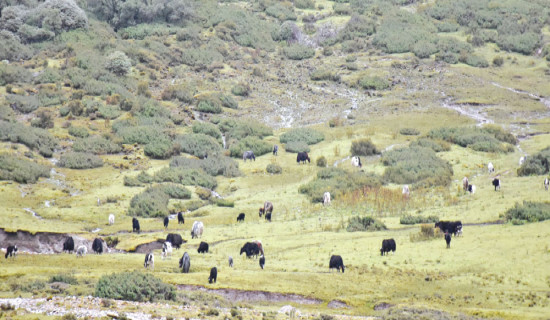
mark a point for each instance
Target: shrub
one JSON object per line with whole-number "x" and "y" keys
{"x": 203, "y": 193}
{"x": 409, "y": 132}
{"x": 209, "y": 106}
{"x": 34, "y": 138}
{"x": 306, "y": 135}
{"x": 108, "y": 111}
{"x": 259, "y": 147}
{"x": 180, "y": 92}
{"x": 162, "y": 148}
{"x": 274, "y": 168}
{"x": 409, "y": 219}
{"x": 21, "y": 170}
{"x": 281, "y": 11}
{"x": 537, "y": 164}
{"x": 298, "y": 52}
{"x": 153, "y": 202}
{"x": 198, "y": 144}
{"x": 296, "y": 146}
{"x": 304, "y": 4}
{"x": 131, "y": 182}
{"x": 416, "y": 165}
{"x": 11, "y": 74}
{"x": 214, "y": 165}
{"x": 225, "y": 203}
{"x": 239, "y": 129}
{"x": 321, "y": 162}
{"x": 228, "y": 101}
{"x": 365, "y": 224}
{"x": 498, "y": 61}
{"x": 134, "y": 286}
{"x": 324, "y": 74}
{"x": 44, "y": 119}
{"x": 435, "y": 145}
{"x": 529, "y": 211}
{"x": 118, "y": 63}
{"x": 427, "y": 232}
{"x": 175, "y": 191}
{"x": 79, "y": 160}
{"x": 79, "y": 132}
{"x": 424, "y": 49}
{"x": 363, "y": 147}
{"x": 23, "y": 104}
{"x": 241, "y": 89}
{"x": 373, "y": 83}
{"x": 187, "y": 177}
{"x": 96, "y": 145}
{"x": 201, "y": 58}
{"x": 65, "y": 278}
{"x": 11, "y": 48}
{"x": 208, "y": 129}
{"x": 487, "y": 139}
{"x": 474, "y": 61}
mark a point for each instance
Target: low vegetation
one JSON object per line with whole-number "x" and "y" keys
{"x": 134, "y": 286}
{"x": 486, "y": 139}
{"x": 410, "y": 219}
{"x": 537, "y": 164}
{"x": 363, "y": 147}
{"x": 528, "y": 211}
{"x": 306, "y": 135}
{"x": 79, "y": 160}
{"x": 365, "y": 224}
{"x": 21, "y": 170}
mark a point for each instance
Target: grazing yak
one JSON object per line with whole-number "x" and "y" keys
{"x": 240, "y": 218}
{"x": 175, "y": 239}
{"x": 230, "y": 261}
{"x": 197, "y": 229}
{"x": 490, "y": 167}
{"x": 248, "y": 155}
{"x": 203, "y": 247}
{"x": 111, "y": 219}
{"x": 181, "y": 220}
{"x": 166, "y": 221}
{"x": 496, "y": 183}
{"x": 448, "y": 239}
{"x": 185, "y": 263}
{"x": 471, "y": 188}
{"x": 302, "y": 157}
{"x": 387, "y": 246}
{"x": 546, "y": 184}
{"x": 453, "y": 227}
{"x": 326, "y": 198}
{"x": 166, "y": 250}
{"x": 262, "y": 262}
{"x": 81, "y": 251}
{"x": 268, "y": 208}
{"x": 251, "y": 249}
{"x": 356, "y": 161}
{"x": 406, "y": 191}
{"x": 11, "y": 251}
{"x": 97, "y": 246}
{"x": 275, "y": 149}
{"x": 135, "y": 225}
{"x": 149, "y": 261}
{"x": 465, "y": 183}
{"x": 68, "y": 245}
{"x": 213, "y": 275}
{"x": 336, "y": 262}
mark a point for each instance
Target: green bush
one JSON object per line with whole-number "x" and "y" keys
{"x": 498, "y": 61}
{"x": 180, "y": 92}
{"x": 259, "y": 147}
{"x": 21, "y": 170}
{"x": 435, "y": 145}
{"x": 209, "y": 106}
{"x": 208, "y": 129}
{"x": 373, "y": 83}
{"x": 274, "y": 168}
{"x": 409, "y": 132}
{"x": 79, "y": 160}
{"x": 34, "y": 138}
{"x": 131, "y": 182}
{"x": 341, "y": 9}
{"x": 108, "y": 111}
{"x": 96, "y": 145}
{"x": 214, "y": 165}
{"x": 134, "y": 286}
{"x": 142, "y": 31}
{"x": 298, "y": 52}
{"x": 175, "y": 191}
{"x": 79, "y": 132}
{"x": 416, "y": 165}
{"x": 11, "y": 74}
{"x": 537, "y": 164}
{"x": 239, "y": 129}
{"x": 529, "y": 211}
{"x": 198, "y": 144}
{"x": 201, "y": 58}
{"x": 242, "y": 89}
{"x": 321, "y": 161}
{"x": 297, "y": 146}
{"x": 153, "y": 202}
{"x": 486, "y": 139}
{"x": 228, "y": 101}
{"x": 162, "y": 148}
{"x": 363, "y": 147}
{"x": 11, "y": 49}
{"x": 23, "y": 104}
{"x": 118, "y": 63}
{"x": 427, "y": 232}
{"x": 424, "y": 49}
{"x": 365, "y": 224}
{"x": 304, "y": 4}
{"x": 281, "y": 11}
{"x": 49, "y": 75}
{"x": 324, "y": 74}
{"x": 43, "y": 119}
{"x": 187, "y": 177}
{"x": 306, "y": 135}
{"x": 65, "y": 278}
{"x": 225, "y": 203}
{"x": 409, "y": 219}
{"x": 474, "y": 61}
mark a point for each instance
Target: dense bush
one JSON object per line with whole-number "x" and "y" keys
{"x": 435, "y": 145}
{"x": 187, "y": 177}
{"x": 65, "y": 278}
{"x": 13, "y": 74}
{"x": 238, "y": 129}
{"x": 409, "y": 219}
{"x": 241, "y": 89}
{"x": 134, "y": 286}
{"x": 131, "y": 182}
{"x": 21, "y": 170}
{"x": 416, "y": 165}
{"x": 228, "y": 101}
{"x": 79, "y": 160}
{"x": 198, "y": 144}
{"x": 214, "y": 165}
{"x": 297, "y": 146}
{"x": 324, "y": 74}
{"x": 373, "y": 83}
{"x": 281, "y": 11}
{"x": 162, "y": 148}
{"x": 201, "y": 58}
{"x": 321, "y": 162}
{"x": 180, "y": 92}
{"x": 153, "y": 202}
{"x": 34, "y": 138}
{"x": 486, "y": 139}
{"x": 44, "y": 119}
{"x": 225, "y": 203}
{"x": 409, "y": 132}
{"x": 96, "y": 145}
{"x": 259, "y": 147}
{"x": 23, "y": 104}
{"x": 528, "y": 212}
{"x": 365, "y": 224}
{"x": 363, "y": 147}
{"x": 274, "y": 168}
{"x": 11, "y": 48}
{"x": 298, "y": 52}
{"x": 175, "y": 191}
{"x": 537, "y": 164}
{"x": 306, "y": 135}
{"x": 474, "y": 60}
{"x": 118, "y": 63}
{"x": 209, "y": 106}
{"x": 208, "y": 129}
{"x": 337, "y": 181}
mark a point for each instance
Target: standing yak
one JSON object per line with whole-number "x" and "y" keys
{"x": 175, "y": 239}
{"x": 496, "y": 183}
{"x": 135, "y": 225}
{"x": 68, "y": 245}
{"x": 185, "y": 263}
{"x": 181, "y": 220}
{"x": 337, "y": 263}
{"x": 196, "y": 231}
{"x": 203, "y": 247}
{"x": 268, "y": 208}
{"x": 275, "y": 149}
{"x": 166, "y": 221}
{"x": 387, "y": 246}
{"x": 97, "y": 246}
{"x": 213, "y": 275}
{"x": 248, "y": 155}
{"x": 302, "y": 157}
{"x": 465, "y": 183}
